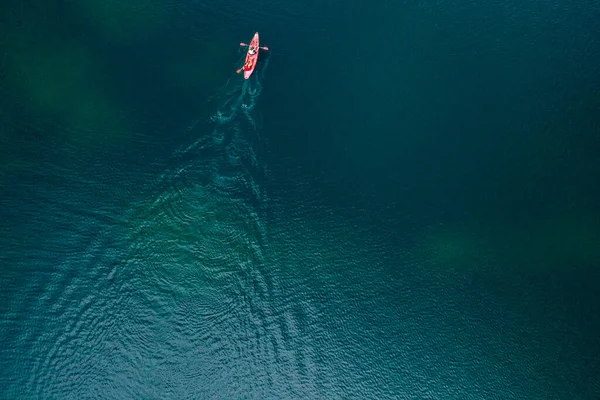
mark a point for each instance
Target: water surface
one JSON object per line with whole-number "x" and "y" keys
{"x": 401, "y": 203}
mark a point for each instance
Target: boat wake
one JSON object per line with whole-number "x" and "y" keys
{"x": 233, "y": 111}
{"x": 236, "y": 99}
{"x": 177, "y": 268}
{"x": 211, "y": 192}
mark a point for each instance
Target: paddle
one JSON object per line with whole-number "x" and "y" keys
{"x": 240, "y": 70}
{"x": 262, "y": 48}
{"x": 244, "y": 45}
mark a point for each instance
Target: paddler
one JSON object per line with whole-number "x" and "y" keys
{"x": 252, "y": 51}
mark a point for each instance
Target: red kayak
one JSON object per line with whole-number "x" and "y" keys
{"x": 251, "y": 56}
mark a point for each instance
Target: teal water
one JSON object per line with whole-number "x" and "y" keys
{"x": 400, "y": 204}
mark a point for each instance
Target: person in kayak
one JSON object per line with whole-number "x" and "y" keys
{"x": 252, "y": 51}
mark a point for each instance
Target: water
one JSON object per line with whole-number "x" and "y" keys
{"x": 401, "y": 203}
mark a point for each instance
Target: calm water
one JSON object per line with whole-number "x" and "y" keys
{"x": 402, "y": 203}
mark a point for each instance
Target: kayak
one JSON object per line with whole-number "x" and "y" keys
{"x": 251, "y": 59}
{"x": 251, "y": 56}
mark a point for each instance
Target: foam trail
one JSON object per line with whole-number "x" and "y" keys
{"x": 232, "y": 120}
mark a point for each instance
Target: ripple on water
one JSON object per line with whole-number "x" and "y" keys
{"x": 173, "y": 294}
